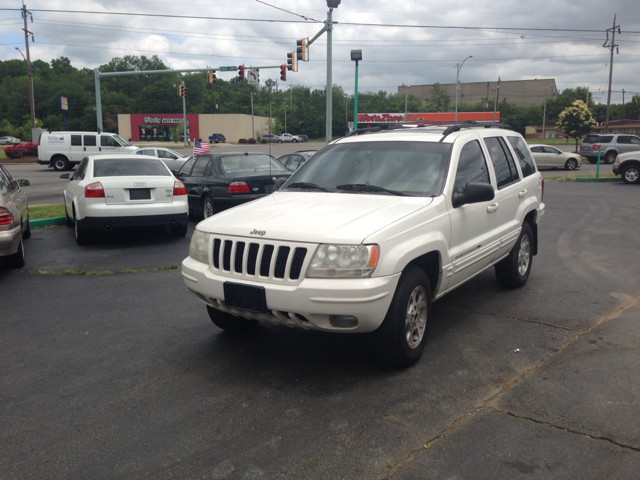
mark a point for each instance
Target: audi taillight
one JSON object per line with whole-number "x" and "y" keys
{"x": 5, "y": 216}
{"x": 178, "y": 188}
{"x": 94, "y": 190}
{"x": 238, "y": 187}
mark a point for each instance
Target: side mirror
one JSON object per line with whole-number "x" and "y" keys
{"x": 65, "y": 176}
{"x": 23, "y": 182}
{"x": 474, "y": 192}
{"x": 278, "y": 183}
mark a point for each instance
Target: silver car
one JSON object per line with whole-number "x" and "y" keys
{"x": 550, "y": 157}
{"x": 611, "y": 145}
{"x": 172, "y": 159}
{"x": 14, "y": 219}
{"x": 9, "y": 141}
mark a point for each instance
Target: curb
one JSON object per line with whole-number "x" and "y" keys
{"x": 45, "y": 222}
{"x": 606, "y": 179}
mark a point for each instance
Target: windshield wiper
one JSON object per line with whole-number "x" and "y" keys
{"x": 361, "y": 187}
{"x": 307, "y": 185}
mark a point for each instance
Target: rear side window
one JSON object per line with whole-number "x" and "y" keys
{"x": 76, "y": 140}
{"x": 591, "y": 139}
{"x": 503, "y": 163}
{"x": 527, "y": 165}
{"x": 605, "y": 139}
{"x": 232, "y": 164}
{"x": 472, "y": 166}
{"x": 186, "y": 168}
{"x": 146, "y": 151}
{"x": 89, "y": 140}
{"x": 112, "y": 167}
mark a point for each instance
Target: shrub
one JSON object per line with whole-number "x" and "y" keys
{"x": 242, "y": 140}
{"x": 21, "y": 150}
{"x": 263, "y": 141}
{"x": 252, "y": 140}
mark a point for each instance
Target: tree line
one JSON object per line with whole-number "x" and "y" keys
{"x": 305, "y": 111}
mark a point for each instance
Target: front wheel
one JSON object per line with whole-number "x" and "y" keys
{"x": 513, "y": 271}
{"x": 60, "y": 163}
{"x": 400, "y": 340}
{"x": 610, "y": 157}
{"x": 631, "y": 174}
{"x": 229, "y": 322}
{"x": 208, "y": 209}
{"x": 571, "y": 164}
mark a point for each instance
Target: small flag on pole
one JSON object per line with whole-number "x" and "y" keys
{"x": 200, "y": 148}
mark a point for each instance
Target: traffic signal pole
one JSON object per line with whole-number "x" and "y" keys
{"x": 329, "y": 27}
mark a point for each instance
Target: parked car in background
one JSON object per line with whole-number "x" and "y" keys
{"x": 63, "y": 150}
{"x": 217, "y": 138}
{"x": 218, "y": 181}
{"x": 551, "y": 157}
{"x": 118, "y": 191}
{"x": 292, "y": 161}
{"x": 172, "y": 159}
{"x": 270, "y": 138}
{"x": 627, "y": 165}
{"x": 611, "y": 144}
{"x": 9, "y": 141}
{"x": 288, "y": 138}
{"x": 303, "y": 138}
{"x": 14, "y": 219}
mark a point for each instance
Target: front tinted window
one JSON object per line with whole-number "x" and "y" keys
{"x": 122, "y": 141}
{"x": 186, "y": 168}
{"x": 6, "y": 183}
{"x": 235, "y": 164}
{"x": 635, "y": 140}
{"x": 413, "y": 168}
{"x": 472, "y": 167}
{"x": 201, "y": 166}
{"x": 551, "y": 150}
{"x": 112, "y": 167}
{"x": 106, "y": 141}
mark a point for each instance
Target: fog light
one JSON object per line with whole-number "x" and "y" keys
{"x": 343, "y": 321}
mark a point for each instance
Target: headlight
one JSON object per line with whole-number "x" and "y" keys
{"x": 199, "y": 247}
{"x": 344, "y": 261}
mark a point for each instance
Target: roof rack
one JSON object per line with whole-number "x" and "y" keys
{"x": 473, "y": 124}
{"x": 448, "y": 127}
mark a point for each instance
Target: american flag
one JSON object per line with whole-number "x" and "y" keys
{"x": 200, "y": 148}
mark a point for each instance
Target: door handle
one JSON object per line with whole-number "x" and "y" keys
{"x": 493, "y": 207}
{"x": 522, "y": 193}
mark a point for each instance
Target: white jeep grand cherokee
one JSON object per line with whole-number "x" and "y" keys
{"x": 371, "y": 230}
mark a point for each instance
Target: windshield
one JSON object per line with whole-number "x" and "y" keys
{"x": 380, "y": 168}
{"x": 112, "y": 167}
{"x": 234, "y": 164}
{"x": 122, "y": 141}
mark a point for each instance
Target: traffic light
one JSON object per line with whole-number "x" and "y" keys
{"x": 302, "y": 50}
{"x": 212, "y": 76}
{"x": 241, "y": 72}
{"x": 291, "y": 61}
{"x": 180, "y": 91}
{"x": 283, "y": 73}
{"x": 184, "y": 91}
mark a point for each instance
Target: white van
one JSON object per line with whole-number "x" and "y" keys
{"x": 63, "y": 150}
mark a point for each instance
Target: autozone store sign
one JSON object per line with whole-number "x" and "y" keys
{"x": 158, "y": 120}
{"x": 429, "y": 117}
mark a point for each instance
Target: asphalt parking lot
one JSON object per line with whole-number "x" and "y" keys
{"x": 120, "y": 374}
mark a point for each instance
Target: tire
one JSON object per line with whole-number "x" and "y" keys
{"x": 295, "y": 141}
{"x": 179, "y": 231}
{"x": 17, "y": 259}
{"x": 67, "y": 220}
{"x": 229, "y": 322}
{"x": 571, "y": 164}
{"x": 208, "y": 207}
{"x": 513, "y": 271}
{"x": 60, "y": 163}
{"x": 593, "y": 160}
{"x": 82, "y": 236}
{"x": 279, "y": 141}
{"x": 400, "y": 340}
{"x": 610, "y": 157}
{"x": 27, "y": 233}
{"x": 631, "y": 174}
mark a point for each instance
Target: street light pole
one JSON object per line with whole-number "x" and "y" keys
{"x": 544, "y": 112}
{"x": 459, "y": 67}
{"x": 285, "y": 118}
{"x": 406, "y": 97}
{"x": 32, "y": 106}
{"x": 253, "y": 131}
{"x": 356, "y": 56}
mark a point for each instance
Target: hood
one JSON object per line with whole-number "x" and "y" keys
{"x": 314, "y": 217}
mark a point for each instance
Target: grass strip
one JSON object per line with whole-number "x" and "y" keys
{"x": 40, "y": 212}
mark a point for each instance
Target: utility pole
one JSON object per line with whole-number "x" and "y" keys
{"x": 285, "y": 118}
{"x": 610, "y": 46}
{"x": 26, "y": 13}
{"x": 406, "y": 98}
{"x": 329, "y": 27}
{"x": 253, "y": 131}
{"x": 623, "y": 114}
{"x": 184, "y": 115}
{"x": 495, "y": 104}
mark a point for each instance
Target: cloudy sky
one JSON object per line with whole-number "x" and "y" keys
{"x": 413, "y": 42}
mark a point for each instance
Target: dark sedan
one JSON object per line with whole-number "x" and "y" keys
{"x": 218, "y": 181}
{"x": 292, "y": 161}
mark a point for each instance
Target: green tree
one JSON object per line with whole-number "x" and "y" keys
{"x": 575, "y": 120}
{"x": 439, "y": 101}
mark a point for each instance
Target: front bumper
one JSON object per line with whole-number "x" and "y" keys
{"x": 616, "y": 169}
{"x": 9, "y": 241}
{"x": 308, "y": 305}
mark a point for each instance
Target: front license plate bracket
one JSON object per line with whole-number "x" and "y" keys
{"x": 245, "y": 297}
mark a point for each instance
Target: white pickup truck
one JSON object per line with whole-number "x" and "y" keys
{"x": 372, "y": 229}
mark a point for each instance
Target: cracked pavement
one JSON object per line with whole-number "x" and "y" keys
{"x": 123, "y": 375}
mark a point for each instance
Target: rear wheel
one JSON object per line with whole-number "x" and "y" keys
{"x": 593, "y": 159}
{"x": 610, "y": 157}
{"x": 17, "y": 259}
{"x": 60, "y": 163}
{"x": 400, "y": 340}
{"x": 67, "y": 220}
{"x": 208, "y": 209}
{"x": 229, "y": 322}
{"x": 571, "y": 164}
{"x": 26, "y": 233}
{"x": 513, "y": 271}
{"x": 631, "y": 174}
{"x": 82, "y": 236}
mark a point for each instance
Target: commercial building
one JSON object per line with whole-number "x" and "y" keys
{"x": 159, "y": 126}
{"x": 521, "y": 92}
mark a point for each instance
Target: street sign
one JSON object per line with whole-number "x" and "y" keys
{"x": 252, "y": 77}
{"x": 228, "y": 69}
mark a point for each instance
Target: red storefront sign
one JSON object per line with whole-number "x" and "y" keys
{"x": 141, "y": 120}
{"x": 447, "y": 117}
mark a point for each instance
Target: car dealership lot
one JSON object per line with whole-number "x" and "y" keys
{"x": 123, "y": 375}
